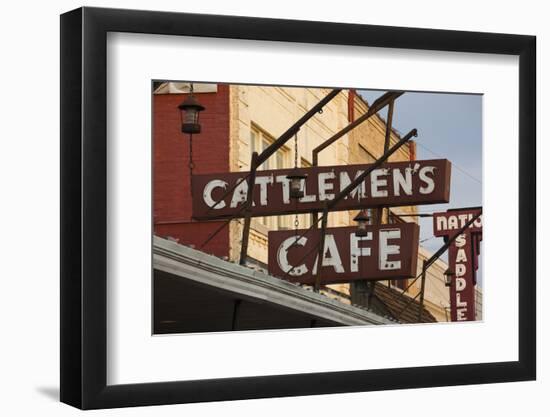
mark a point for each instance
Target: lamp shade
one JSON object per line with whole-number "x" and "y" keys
{"x": 190, "y": 110}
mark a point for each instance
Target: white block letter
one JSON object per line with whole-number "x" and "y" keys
{"x": 376, "y": 182}
{"x": 429, "y": 186}
{"x": 386, "y": 250}
{"x": 207, "y": 194}
{"x": 282, "y": 256}
{"x": 286, "y": 187}
{"x": 262, "y": 182}
{"x": 324, "y": 186}
{"x": 331, "y": 257}
{"x": 356, "y": 251}
{"x": 402, "y": 182}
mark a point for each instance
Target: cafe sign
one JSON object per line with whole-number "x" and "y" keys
{"x": 218, "y": 196}
{"x": 385, "y": 252}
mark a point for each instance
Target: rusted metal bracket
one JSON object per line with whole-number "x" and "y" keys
{"x": 387, "y": 138}
{"x": 342, "y": 194}
{"x": 429, "y": 262}
{"x": 259, "y": 159}
{"x": 380, "y": 214}
{"x": 382, "y": 101}
{"x": 248, "y": 209}
{"x": 422, "y": 288}
{"x": 376, "y": 106}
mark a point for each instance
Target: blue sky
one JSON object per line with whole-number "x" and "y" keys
{"x": 449, "y": 126}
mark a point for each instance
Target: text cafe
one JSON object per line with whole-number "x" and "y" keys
{"x": 382, "y": 252}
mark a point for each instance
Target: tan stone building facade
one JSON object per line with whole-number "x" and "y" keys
{"x": 259, "y": 114}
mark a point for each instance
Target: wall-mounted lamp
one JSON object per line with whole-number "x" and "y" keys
{"x": 189, "y": 111}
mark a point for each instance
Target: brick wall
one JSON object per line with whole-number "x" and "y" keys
{"x": 171, "y": 182}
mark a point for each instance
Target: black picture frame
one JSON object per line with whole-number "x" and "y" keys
{"x": 84, "y": 207}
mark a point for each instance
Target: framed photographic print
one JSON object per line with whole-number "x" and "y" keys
{"x": 258, "y": 208}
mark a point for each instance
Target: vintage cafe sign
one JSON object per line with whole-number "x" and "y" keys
{"x": 463, "y": 259}
{"x": 385, "y": 252}
{"x": 393, "y": 184}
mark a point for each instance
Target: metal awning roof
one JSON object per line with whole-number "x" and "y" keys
{"x": 186, "y": 263}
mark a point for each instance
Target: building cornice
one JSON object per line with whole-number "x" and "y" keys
{"x": 191, "y": 264}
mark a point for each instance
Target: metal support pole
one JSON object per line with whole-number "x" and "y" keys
{"x": 422, "y": 288}
{"x": 435, "y": 257}
{"x": 449, "y": 242}
{"x": 356, "y": 183}
{"x": 342, "y": 194}
{"x": 387, "y": 139}
{"x": 290, "y": 132}
{"x": 258, "y": 160}
{"x": 370, "y": 291}
{"x": 378, "y": 105}
{"x": 384, "y": 100}
{"x": 271, "y": 149}
{"x": 248, "y": 209}
{"x": 321, "y": 252}
{"x": 389, "y": 123}
{"x": 236, "y": 308}
{"x": 365, "y": 287}
{"x": 360, "y": 178}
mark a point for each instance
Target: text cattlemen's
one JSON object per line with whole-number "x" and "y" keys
{"x": 393, "y": 184}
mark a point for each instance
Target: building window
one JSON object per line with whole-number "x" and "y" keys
{"x": 400, "y": 283}
{"x": 260, "y": 140}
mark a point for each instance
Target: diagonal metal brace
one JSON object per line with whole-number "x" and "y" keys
{"x": 342, "y": 194}
{"x": 427, "y": 263}
{"x": 378, "y": 105}
{"x": 258, "y": 160}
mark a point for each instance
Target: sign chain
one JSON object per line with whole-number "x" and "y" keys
{"x": 191, "y": 163}
{"x": 296, "y": 220}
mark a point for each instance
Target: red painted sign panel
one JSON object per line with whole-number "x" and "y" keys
{"x": 463, "y": 259}
{"x": 386, "y": 252}
{"x": 453, "y": 220}
{"x": 393, "y": 184}
{"x": 462, "y": 284}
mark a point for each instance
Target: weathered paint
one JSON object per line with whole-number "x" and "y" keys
{"x": 386, "y": 252}
{"x": 462, "y": 286}
{"x": 393, "y": 184}
{"x": 446, "y": 222}
{"x": 463, "y": 258}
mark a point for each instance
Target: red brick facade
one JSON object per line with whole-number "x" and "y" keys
{"x": 171, "y": 182}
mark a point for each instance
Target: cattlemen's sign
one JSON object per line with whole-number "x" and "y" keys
{"x": 393, "y": 184}
{"x": 463, "y": 259}
{"x": 385, "y": 252}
